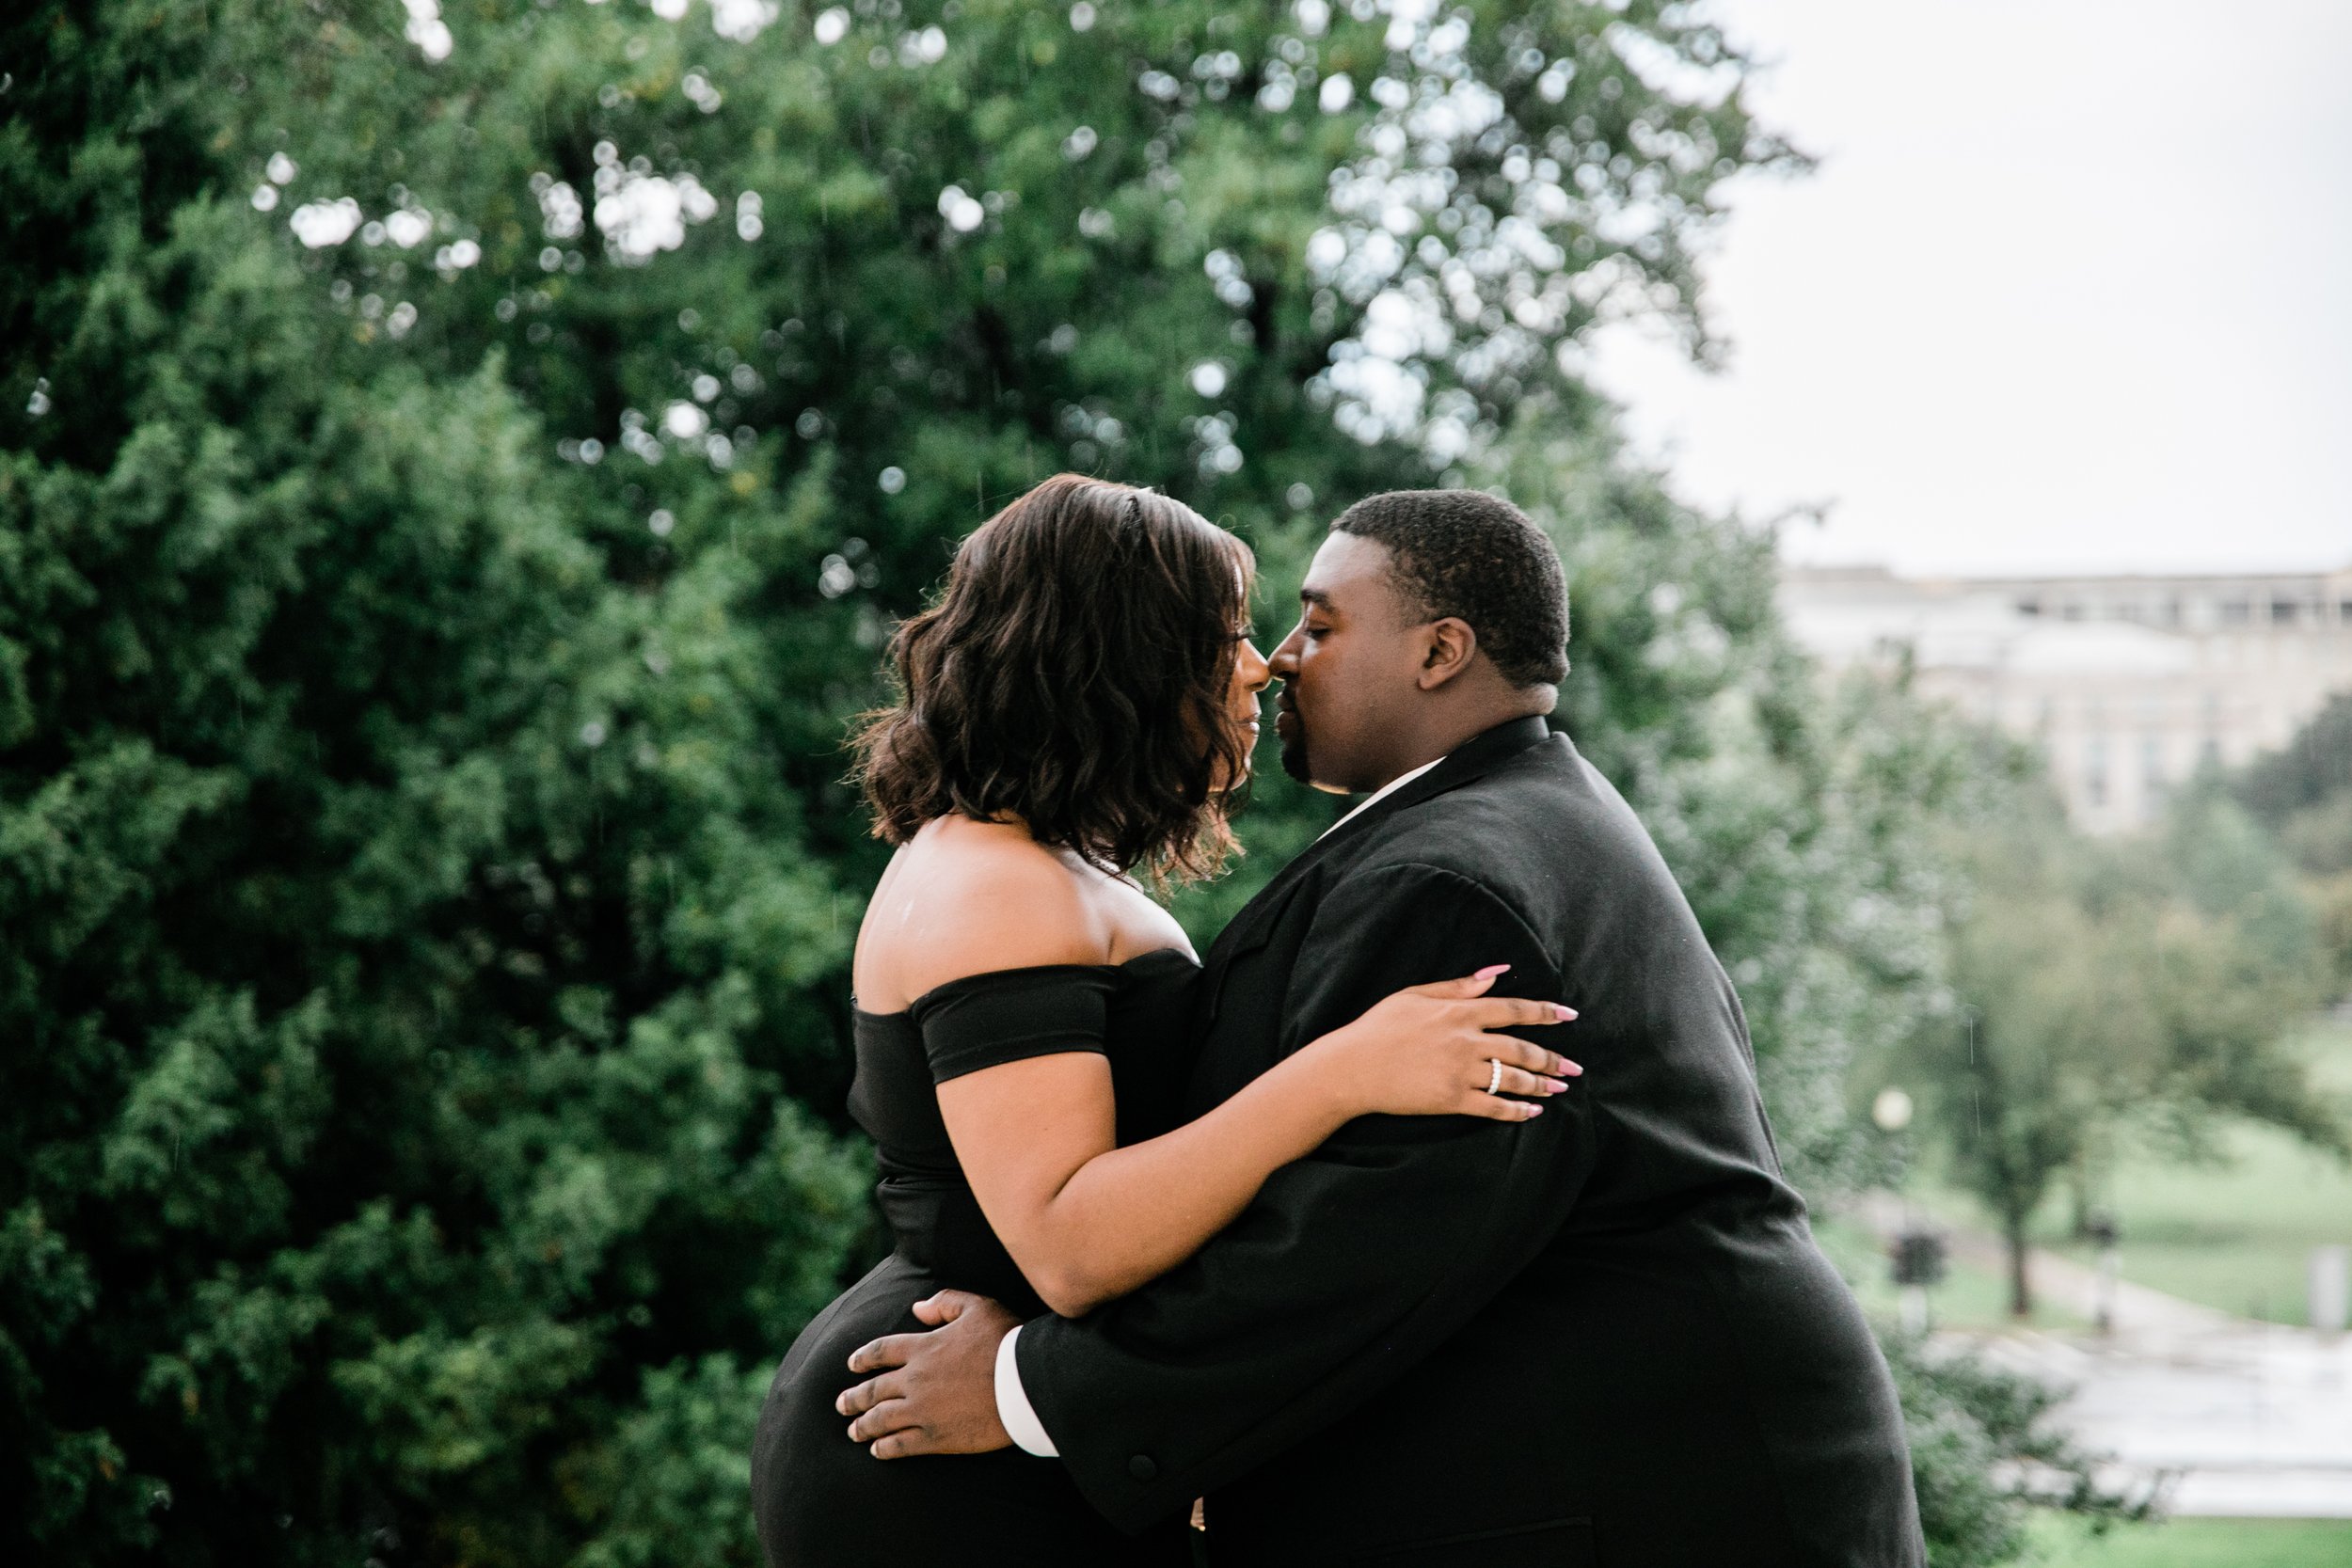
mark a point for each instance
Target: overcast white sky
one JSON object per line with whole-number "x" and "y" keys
{"x": 2071, "y": 290}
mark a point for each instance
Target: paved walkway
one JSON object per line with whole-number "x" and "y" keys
{"x": 2248, "y": 1419}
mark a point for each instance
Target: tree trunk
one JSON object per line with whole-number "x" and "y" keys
{"x": 2020, "y": 1288}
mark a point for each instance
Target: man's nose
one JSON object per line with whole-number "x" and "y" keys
{"x": 1284, "y": 663}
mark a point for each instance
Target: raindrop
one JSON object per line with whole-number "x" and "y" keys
{"x": 661, "y": 523}
{"x": 685, "y": 421}
{"x": 1208, "y": 378}
{"x": 550, "y": 259}
{"x": 831, "y": 26}
{"x": 264, "y": 197}
{"x": 705, "y": 388}
{"x": 1301, "y": 497}
{"x": 1078, "y": 143}
{"x": 592, "y": 451}
{"x": 1335, "y": 93}
{"x": 810, "y": 425}
{"x": 37, "y": 403}
{"x": 893, "y": 479}
{"x": 836, "y": 577}
{"x": 592, "y": 734}
{"x": 372, "y": 233}
{"x": 282, "y": 169}
{"x": 1081, "y": 17}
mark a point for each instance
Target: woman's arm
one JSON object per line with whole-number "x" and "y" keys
{"x": 1086, "y": 1221}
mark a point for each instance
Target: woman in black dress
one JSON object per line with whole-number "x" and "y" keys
{"x": 1079, "y": 706}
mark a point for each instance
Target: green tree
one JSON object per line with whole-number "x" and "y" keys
{"x": 2117, "y": 989}
{"x": 2303, "y": 794}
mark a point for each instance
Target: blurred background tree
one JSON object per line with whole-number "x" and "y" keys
{"x": 2303, "y": 794}
{"x": 2148, "y": 991}
{"x": 457, "y": 471}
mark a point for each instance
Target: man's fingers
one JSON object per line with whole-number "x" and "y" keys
{"x": 884, "y": 1419}
{"x": 945, "y": 1306}
{"x": 860, "y": 1397}
{"x": 903, "y": 1443}
{"x": 891, "y": 1350}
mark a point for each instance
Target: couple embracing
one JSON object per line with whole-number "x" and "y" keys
{"x": 1351, "y": 1243}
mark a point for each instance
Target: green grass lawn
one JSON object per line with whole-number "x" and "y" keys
{"x": 2062, "y": 1542}
{"x": 2236, "y": 1235}
{"x": 2239, "y": 1236}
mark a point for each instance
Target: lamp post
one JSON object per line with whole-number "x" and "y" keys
{"x": 1917, "y": 1253}
{"x": 2106, "y": 1234}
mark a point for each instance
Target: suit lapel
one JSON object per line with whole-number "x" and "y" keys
{"x": 1254, "y": 925}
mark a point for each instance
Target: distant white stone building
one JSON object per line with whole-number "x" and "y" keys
{"x": 2126, "y": 683}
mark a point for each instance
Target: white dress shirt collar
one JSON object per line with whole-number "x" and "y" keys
{"x": 1385, "y": 790}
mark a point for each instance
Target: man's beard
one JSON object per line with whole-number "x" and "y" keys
{"x": 1293, "y": 736}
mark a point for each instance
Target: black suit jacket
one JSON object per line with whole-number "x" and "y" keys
{"x": 1604, "y": 1337}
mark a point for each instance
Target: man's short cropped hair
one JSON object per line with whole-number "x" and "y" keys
{"x": 1465, "y": 554}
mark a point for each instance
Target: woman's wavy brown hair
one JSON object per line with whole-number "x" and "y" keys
{"x": 1074, "y": 674}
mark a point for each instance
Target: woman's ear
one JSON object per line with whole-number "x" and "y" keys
{"x": 1448, "y": 645}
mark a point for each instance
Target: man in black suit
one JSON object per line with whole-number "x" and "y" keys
{"x": 1603, "y": 1336}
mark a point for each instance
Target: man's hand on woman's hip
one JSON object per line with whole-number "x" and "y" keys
{"x": 935, "y": 1393}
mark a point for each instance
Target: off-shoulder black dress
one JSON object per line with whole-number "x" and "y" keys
{"x": 821, "y": 1501}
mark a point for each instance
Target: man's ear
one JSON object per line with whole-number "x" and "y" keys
{"x": 1448, "y": 645}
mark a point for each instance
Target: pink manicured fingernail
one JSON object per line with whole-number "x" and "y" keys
{"x": 1490, "y": 972}
{"x": 1534, "y": 1110}
{"x": 1570, "y": 1069}
{"x": 1564, "y": 1013}
{"x": 1554, "y": 1085}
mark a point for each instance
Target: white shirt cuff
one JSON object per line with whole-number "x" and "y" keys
{"x": 1013, "y": 1408}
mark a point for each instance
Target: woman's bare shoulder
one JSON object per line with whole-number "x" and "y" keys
{"x": 969, "y": 899}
